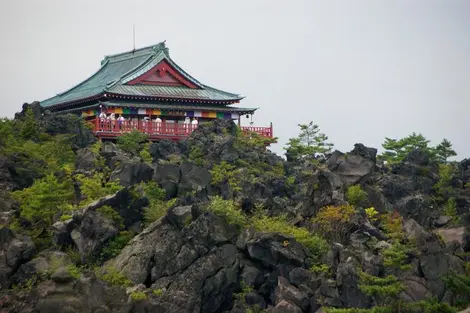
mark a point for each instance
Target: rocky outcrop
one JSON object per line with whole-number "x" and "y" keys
{"x": 14, "y": 251}
{"x": 88, "y": 230}
{"x": 354, "y": 166}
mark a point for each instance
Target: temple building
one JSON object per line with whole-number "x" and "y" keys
{"x": 145, "y": 89}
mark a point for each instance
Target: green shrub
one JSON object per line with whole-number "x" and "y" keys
{"x": 227, "y": 210}
{"x": 112, "y": 276}
{"x": 335, "y": 222}
{"x": 459, "y": 284}
{"x": 44, "y": 198}
{"x": 96, "y": 187}
{"x": 443, "y": 187}
{"x": 145, "y": 154}
{"x": 158, "y": 206}
{"x": 450, "y": 209}
{"x": 158, "y": 292}
{"x": 73, "y": 271}
{"x": 317, "y": 245}
{"x": 396, "y": 256}
{"x": 225, "y": 172}
{"x": 384, "y": 289}
{"x": 132, "y": 142}
{"x": 115, "y": 245}
{"x": 355, "y": 195}
{"x": 112, "y": 215}
{"x": 138, "y": 296}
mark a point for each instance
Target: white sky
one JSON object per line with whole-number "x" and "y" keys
{"x": 362, "y": 70}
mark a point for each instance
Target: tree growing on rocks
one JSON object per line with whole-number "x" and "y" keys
{"x": 444, "y": 151}
{"x": 397, "y": 149}
{"x": 309, "y": 142}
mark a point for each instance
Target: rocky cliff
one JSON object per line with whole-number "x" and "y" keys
{"x": 217, "y": 223}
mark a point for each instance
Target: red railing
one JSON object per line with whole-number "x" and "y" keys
{"x": 113, "y": 128}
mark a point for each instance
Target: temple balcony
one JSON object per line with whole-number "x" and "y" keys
{"x": 157, "y": 131}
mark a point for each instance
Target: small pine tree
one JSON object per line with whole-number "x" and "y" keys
{"x": 397, "y": 149}
{"x": 309, "y": 142}
{"x": 29, "y": 127}
{"x": 444, "y": 151}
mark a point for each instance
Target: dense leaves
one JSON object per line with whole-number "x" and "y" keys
{"x": 397, "y": 149}
{"x": 309, "y": 142}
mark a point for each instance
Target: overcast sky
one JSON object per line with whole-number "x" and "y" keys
{"x": 361, "y": 70}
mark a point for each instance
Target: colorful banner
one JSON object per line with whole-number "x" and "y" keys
{"x": 154, "y": 112}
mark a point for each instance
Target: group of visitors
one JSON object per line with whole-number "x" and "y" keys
{"x": 109, "y": 123}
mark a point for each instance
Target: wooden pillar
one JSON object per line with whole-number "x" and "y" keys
{"x": 239, "y": 124}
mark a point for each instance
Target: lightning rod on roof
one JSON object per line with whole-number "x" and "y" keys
{"x": 133, "y": 36}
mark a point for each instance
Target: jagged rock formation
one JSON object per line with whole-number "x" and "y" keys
{"x": 192, "y": 260}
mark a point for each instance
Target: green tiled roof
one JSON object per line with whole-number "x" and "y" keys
{"x": 116, "y": 70}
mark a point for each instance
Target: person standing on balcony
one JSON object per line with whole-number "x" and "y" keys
{"x": 194, "y": 123}
{"x": 120, "y": 122}
{"x": 102, "y": 120}
{"x": 158, "y": 124}
{"x": 186, "y": 123}
{"x": 112, "y": 119}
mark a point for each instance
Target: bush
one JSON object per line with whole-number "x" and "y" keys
{"x": 335, "y": 222}
{"x": 44, "y": 198}
{"x": 355, "y": 195}
{"x": 145, "y": 154}
{"x": 115, "y": 245}
{"x": 158, "y": 206}
{"x": 138, "y": 296}
{"x": 383, "y": 289}
{"x": 132, "y": 142}
{"x": 314, "y": 243}
{"x": 393, "y": 225}
{"x": 227, "y": 210}
{"x": 225, "y": 172}
{"x": 112, "y": 276}
{"x": 112, "y": 215}
{"x": 96, "y": 187}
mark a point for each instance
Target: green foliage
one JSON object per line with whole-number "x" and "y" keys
{"x": 335, "y": 222}
{"x": 197, "y": 156}
{"x": 459, "y": 284}
{"x": 44, "y": 198}
{"x": 393, "y": 225}
{"x": 290, "y": 181}
{"x": 158, "y": 292}
{"x": 145, "y": 154}
{"x": 30, "y": 129}
{"x": 227, "y": 210}
{"x": 65, "y": 217}
{"x": 112, "y": 215}
{"x": 112, "y": 276}
{"x": 444, "y": 151}
{"x": 73, "y": 271}
{"x": 115, "y": 245}
{"x": 320, "y": 268}
{"x": 450, "y": 209}
{"x": 132, "y": 142}
{"x": 396, "y": 256}
{"x": 317, "y": 245}
{"x": 95, "y": 187}
{"x": 225, "y": 172}
{"x": 309, "y": 142}
{"x": 397, "y": 149}
{"x": 443, "y": 187}
{"x": 384, "y": 289}
{"x": 355, "y": 195}
{"x": 372, "y": 214}
{"x": 138, "y": 296}
{"x": 158, "y": 206}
